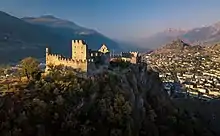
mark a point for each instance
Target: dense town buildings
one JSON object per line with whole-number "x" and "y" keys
{"x": 197, "y": 71}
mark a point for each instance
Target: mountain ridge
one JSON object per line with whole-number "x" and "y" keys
{"x": 199, "y": 35}
{"x": 69, "y": 28}
{"x": 19, "y": 38}
{"x": 53, "y": 21}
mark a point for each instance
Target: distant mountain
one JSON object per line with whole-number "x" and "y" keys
{"x": 49, "y": 20}
{"x": 20, "y": 38}
{"x": 70, "y": 31}
{"x": 174, "y": 32}
{"x": 206, "y": 34}
{"x": 201, "y": 35}
{"x": 161, "y": 38}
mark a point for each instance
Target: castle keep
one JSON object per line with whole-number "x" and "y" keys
{"x": 81, "y": 56}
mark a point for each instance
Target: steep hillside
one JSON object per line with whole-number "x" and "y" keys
{"x": 129, "y": 102}
{"x": 176, "y": 47}
{"x": 52, "y": 21}
{"x": 19, "y": 38}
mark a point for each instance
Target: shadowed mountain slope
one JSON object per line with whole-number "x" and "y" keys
{"x": 70, "y": 30}
{"x": 19, "y": 38}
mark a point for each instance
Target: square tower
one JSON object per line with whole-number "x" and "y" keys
{"x": 79, "y": 50}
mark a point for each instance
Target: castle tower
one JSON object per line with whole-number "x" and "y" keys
{"x": 79, "y": 50}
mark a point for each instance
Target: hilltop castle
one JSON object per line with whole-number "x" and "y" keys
{"x": 81, "y": 57}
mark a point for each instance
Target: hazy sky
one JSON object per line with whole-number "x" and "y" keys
{"x": 122, "y": 19}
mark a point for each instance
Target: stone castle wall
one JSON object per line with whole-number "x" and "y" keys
{"x": 80, "y": 59}
{"x": 53, "y": 59}
{"x": 133, "y": 57}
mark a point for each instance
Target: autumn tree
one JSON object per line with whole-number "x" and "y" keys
{"x": 30, "y": 67}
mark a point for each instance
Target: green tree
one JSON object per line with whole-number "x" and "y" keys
{"x": 30, "y": 67}
{"x": 108, "y": 104}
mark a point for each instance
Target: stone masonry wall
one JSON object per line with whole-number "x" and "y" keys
{"x": 53, "y": 59}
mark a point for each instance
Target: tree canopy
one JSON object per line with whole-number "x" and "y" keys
{"x": 29, "y": 67}
{"x": 127, "y": 103}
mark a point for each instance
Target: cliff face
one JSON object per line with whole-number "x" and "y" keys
{"x": 124, "y": 101}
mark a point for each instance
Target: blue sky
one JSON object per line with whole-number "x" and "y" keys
{"x": 122, "y": 19}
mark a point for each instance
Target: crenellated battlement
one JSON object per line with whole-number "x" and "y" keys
{"x": 135, "y": 54}
{"x": 78, "y": 42}
{"x": 80, "y": 58}
{"x": 55, "y": 59}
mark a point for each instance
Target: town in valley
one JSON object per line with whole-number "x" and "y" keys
{"x": 109, "y": 68}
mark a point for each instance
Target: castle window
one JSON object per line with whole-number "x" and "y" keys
{"x": 91, "y": 54}
{"x": 96, "y": 54}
